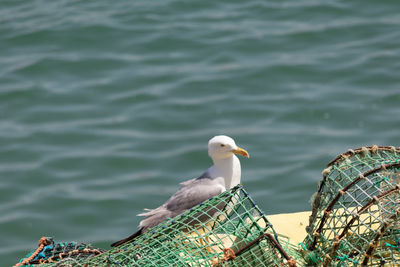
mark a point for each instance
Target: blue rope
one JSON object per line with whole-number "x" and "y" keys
{"x": 346, "y": 258}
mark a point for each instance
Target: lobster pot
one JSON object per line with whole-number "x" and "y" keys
{"x": 221, "y": 231}
{"x": 356, "y": 211}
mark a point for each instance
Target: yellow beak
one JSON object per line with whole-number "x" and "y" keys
{"x": 241, "y": 151}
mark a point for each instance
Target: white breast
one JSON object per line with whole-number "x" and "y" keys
{"x": 226, "y": 172}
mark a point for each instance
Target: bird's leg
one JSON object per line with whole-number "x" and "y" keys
{"x": 205, "y": 242}
{"x": 209, "y": 242}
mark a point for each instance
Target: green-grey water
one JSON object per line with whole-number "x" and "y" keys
{"x": 106, "y": 106}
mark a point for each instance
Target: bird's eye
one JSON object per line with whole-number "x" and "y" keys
{"x": 222, "y": 145}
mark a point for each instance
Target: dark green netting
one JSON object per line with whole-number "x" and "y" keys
{"x": 206, "y": 235}
{"x": 356, "y": 212}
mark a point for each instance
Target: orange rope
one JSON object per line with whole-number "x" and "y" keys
{"x": 229, "y": 254}
{"x": 42, "y": 243}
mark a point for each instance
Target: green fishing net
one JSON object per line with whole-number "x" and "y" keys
{"x": 222, "y": 231}
{"x": 356, "y": 211}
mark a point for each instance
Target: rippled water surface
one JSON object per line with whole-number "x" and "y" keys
{"x": 106, "y": 106}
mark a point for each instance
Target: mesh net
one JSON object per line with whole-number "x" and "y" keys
{"x": 356, "y": 211}
{"x": 49, "y": 252}
{"x": 227, "y": 230}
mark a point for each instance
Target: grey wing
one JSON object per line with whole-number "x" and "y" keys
{"x": 191, "y": 194}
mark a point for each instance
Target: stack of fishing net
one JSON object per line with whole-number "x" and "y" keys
{"x": 356, "y": 211}
{"x": 226, "y": 230}
{"x": 221, "y": 231}
{"x": 49, "y": 252}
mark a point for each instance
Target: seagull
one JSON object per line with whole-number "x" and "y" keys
{"x": 223, "y": 175}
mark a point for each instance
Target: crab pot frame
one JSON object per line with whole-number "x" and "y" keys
{"x": 356, "y": 212}
{"x": 213, "y": 233}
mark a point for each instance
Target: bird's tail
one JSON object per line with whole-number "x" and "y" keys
{"x": 129, "y": 238}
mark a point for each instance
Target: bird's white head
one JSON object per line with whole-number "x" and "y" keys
{"x": 222, "y": 146}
